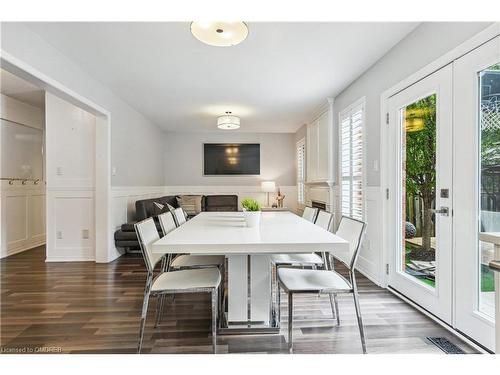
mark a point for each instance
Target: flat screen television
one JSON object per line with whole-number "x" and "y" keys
{"x": 231, "y": 159}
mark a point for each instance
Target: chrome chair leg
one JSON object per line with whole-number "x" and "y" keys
{"x": 290, "y": 321}
{"x": 144, "y": 313}
{"x": 275, "y": 292}
{"x": 337, "y": 311}
{"x": 358, "y": 311}
{"x": 159, "y": 309}
{"x": 278, "y": 297}
{"x": 332, "y": 305}
{"x": 325, "y": 262}
{"x": 215, "y": 301}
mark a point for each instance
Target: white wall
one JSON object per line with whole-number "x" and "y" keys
{"x": 70, "y": 158}
{"x": 184, "y": 159}
{"x": 135, "y": 141}
{"x": 184, "y": 165}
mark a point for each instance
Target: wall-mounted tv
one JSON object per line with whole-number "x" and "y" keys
{"x": 231, "y": 159}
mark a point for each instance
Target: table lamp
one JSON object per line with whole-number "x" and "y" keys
{"x": 268, "y": 187}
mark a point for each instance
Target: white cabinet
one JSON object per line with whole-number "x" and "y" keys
{"x": 320, "y": 148}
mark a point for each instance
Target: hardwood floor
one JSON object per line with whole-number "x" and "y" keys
{"x": 83, "y": 307}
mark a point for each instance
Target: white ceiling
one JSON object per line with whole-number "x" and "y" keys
{"x": 17, "y": 88}
{"x": 274, "y": 80}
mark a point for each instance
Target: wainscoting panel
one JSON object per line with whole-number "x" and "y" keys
{"x": 23, "y": 212}
{"x": 71, "y": 214}
{"x": 371, "y": 256}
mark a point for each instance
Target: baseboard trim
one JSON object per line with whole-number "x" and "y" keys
{"x": 370, "y": 276}
{"x": 54, "y": 259}
{"x": 23, "y": 248}
{"x": 450, "y": 329}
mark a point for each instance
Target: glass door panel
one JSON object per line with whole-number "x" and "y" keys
{"x": 489, "y": 180}
{"x": 418, "y": 189}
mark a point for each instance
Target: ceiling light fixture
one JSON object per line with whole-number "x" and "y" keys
{"x": 219, "y": 33}
{"x": 228, "y": 122}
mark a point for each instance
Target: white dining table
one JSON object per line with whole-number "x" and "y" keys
{"x": 248, "y": 250}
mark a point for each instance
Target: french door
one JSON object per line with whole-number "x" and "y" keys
{"x": 420, "y": 200}
{"x": 444, "y": 184}
{"x": 477, "y": 187}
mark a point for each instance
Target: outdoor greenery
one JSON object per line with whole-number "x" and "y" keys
{"x": 490, "y": 138}
{"x": 421, "y": 159}
{"x": 250, "y": 204}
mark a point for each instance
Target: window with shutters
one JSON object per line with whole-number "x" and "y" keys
{"x": 351, "y": 160}
{"x": 301, "y": 171}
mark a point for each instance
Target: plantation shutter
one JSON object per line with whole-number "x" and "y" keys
{"x": 301, "y": 171}
{"x": 351, "y": 138}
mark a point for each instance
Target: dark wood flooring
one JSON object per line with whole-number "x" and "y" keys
{"x": 83, "y": 307}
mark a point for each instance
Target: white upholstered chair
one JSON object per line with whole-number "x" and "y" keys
{"x": 179, "y": 216}
{"x": 183, "y": 281}
{"x": 293, "y": 280}
{"x": 301, "y": 259}
{"x": 185, "y": 261}
{"x": 168, "y": 223}
{"x": 310, "y": 213}
{"x": 324, "y": 219}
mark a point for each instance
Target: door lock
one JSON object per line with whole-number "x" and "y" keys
{"x": 445, "y": 211}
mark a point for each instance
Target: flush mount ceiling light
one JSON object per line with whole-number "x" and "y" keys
{"x": 228, "y": 122}
{"x": 219, "y": 33}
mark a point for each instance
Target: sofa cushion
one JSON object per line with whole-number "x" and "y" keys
{"x": 191, "y": 204}
{"x": 221, "y": 203}
{"x": 128, "y": 244}
{"x": 128, "y": 227}
{"x": 125, "y": 236}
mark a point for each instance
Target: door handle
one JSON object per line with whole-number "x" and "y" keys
{"x": 445, "y": 211}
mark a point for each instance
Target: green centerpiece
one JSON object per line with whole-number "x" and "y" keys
{"x": 251, "y": 209}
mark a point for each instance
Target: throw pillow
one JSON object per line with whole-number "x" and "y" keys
{"x": 191, "y": 204}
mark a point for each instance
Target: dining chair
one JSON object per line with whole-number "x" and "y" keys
{"x": 304, "y": 259}
{"x": 185, "y": 261}
{"x": 310, "y": 214}
{"x": 179, "y": 216}
{"x": 324, "y": 219}
{"x": 294, "y": 281}
{"x": 205, "y": 280}
{"x": 312, "y": 260}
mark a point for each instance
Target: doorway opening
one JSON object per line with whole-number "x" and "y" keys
{"x": 74, "y": 207}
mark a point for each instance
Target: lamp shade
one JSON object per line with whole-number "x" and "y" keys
{"x": 268, "y": 186}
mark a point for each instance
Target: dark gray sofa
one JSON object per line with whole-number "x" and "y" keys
{"x": 126, "y": 237}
